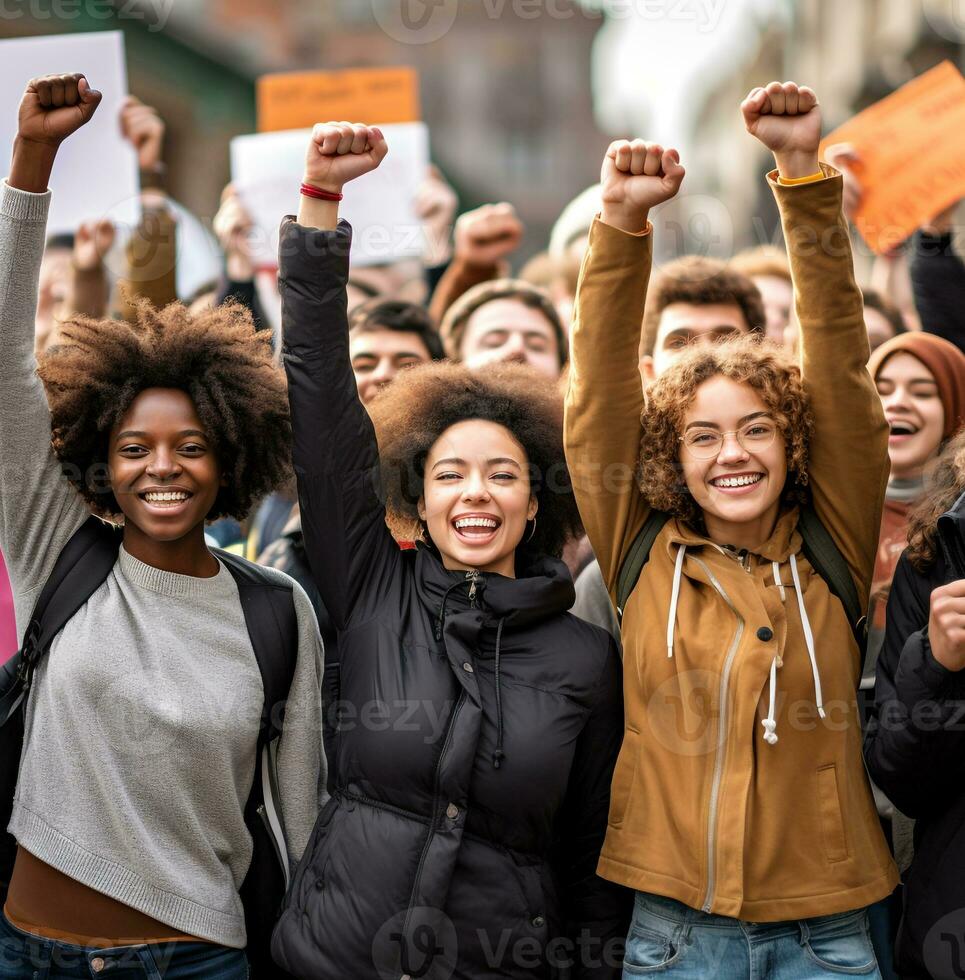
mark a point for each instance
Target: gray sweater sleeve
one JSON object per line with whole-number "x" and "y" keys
{"x": 302, "y": 771}
{"x": 39, "y": 509}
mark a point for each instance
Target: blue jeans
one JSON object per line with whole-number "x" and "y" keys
{"x": 26, "y": 957}
{"x": 670, "y": 939}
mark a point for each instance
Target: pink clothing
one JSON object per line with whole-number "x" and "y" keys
{"x": 8, "y": 625}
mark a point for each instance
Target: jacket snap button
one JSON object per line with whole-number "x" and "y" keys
{"x": 467, "y": 667}
{"x": 97, "y": 964}
{"x": 765, "y": 633}
{"x": 452, "y": 811}
{"x": 539, "y": 921}
{"x": 319, "y": 883}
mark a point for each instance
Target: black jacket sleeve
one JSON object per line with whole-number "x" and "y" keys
{"x": 353, "y": 556}
{"x": 938, "y": 287}
{"x": 915, "y": 742}
{"x": 596, "y": 912}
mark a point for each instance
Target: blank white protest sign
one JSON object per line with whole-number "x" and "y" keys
{"x": 267, "y": 169}
{"x": 95, "y": 175}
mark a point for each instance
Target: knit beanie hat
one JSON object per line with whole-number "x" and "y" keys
{"x": 944, "y": 360}
{"x": 454, "y": 322}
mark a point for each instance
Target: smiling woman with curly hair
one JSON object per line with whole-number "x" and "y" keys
{"x": 411, "y": 414}
{"x": 740, "y": 556}
{"x": 469, "y": 818}
{"x": 121, "y": 834}
{"x": 215, "y": 357}
{"x": 762, "y": 367}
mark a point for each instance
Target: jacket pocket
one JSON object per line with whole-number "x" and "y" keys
{"x": 310, "y": 866}
{"x": 829, "y": 808}
{"x": 624, "y": 776}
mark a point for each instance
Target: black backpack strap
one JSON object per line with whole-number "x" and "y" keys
{"x": 826, "y": 559}
{"x": 269, "y": 609}
{"x": 78, "y": 573}
{"x": 637, "y": 557}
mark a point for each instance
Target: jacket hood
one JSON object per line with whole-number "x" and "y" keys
{"x": 785, "y": 540}
{"x": 542, "y": 589}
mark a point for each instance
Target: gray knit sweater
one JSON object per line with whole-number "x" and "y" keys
{"x": 143, "y": 721}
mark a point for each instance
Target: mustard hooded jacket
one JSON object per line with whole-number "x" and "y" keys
{"x": 740, "y": 787}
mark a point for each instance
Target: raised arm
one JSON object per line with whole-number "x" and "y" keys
{"x": 39, "y": 510}
{"x": 848, "y": 455}
{"x": 938, "y": 280}
{"x": 352, "y": 554}
{"x": 605, "y": 394}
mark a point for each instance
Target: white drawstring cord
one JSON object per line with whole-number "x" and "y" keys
{"x": 770, "y": 725}
{"x": 777, "y": 580}
{"x": 808, "y": 638}
{"x": 674, "y": 596}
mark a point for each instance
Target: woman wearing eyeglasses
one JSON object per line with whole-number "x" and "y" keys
{"x": 740, "y": 811}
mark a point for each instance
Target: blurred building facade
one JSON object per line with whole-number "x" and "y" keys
{"x": 522, "y": 96}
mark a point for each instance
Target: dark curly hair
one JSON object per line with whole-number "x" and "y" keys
{"x": 944, "y": 485}
{"x": 411, "y": 413}
{"x": 100, "y": 366}
{"x": 763, "y": 366}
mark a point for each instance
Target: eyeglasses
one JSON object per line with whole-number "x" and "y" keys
{"x": 753, "y": 437}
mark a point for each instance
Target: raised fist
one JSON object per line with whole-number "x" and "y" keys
{"x": 232, "y": 224}
{"x": 143, "y": 128}
{"x": 92, "y": 242}
{"x": 487, "y": 235}
{"x": 55, "y": 106}
{"x": 435, "y": 207}
{"x": 787, "y": 120}
{"x": 339, "y": 152}
{"x": 946, "y": 625}
{"x": 636, "y": 177}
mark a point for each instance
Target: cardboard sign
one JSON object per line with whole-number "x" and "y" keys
{"x": 95, "y": 175}
{"x": 374, "y": 96}
{"x": 267, "y": 169}
{"x": 912, "y": 148}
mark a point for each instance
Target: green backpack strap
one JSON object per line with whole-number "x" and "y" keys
{"x": 637, "y": 557}
{"x": 825, "y": 558}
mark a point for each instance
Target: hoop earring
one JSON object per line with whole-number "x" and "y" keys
{"x": 531, "y": 533}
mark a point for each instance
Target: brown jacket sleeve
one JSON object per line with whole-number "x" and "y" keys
{"x": 151, "y": 259}
{"x": 459, "y": 278}
{"x": 604, "y": 398}
{"x": 848, "y": 464}
{"x": 88, "y": 293}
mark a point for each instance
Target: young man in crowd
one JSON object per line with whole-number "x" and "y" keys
{"x": 696, "y": 300}
{"x": 386, "y": 336}
{"x": 506, "y": 320}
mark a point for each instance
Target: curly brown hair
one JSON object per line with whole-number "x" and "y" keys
{"x": 700, "y": 281}
{"x": 944, "y": 485}
{"x": 422, "y": 402}
{"x": 217, "y": 357}
{"x": 762, "y": 365}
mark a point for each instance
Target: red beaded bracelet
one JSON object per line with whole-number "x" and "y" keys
{"x": 311, "y": 191}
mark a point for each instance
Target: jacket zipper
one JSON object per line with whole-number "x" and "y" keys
{"x": 435, "y": 805}
{"x": 721, "y": 740}
{"x": 473, "y": 578}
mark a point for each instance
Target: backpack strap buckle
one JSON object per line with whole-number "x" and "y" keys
{"x": 29, "y": 653}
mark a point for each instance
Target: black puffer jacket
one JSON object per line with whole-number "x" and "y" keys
{"x": 915, "y": 750}
{"x": 431, "y": 861}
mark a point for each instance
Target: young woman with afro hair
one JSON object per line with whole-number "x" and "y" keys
{"x": 742, "y": 815}
{"x": 480, "y": 720}
{"x": 142, "y": 722}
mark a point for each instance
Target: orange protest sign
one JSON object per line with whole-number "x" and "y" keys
{"x": 297, "y": 100}
{"x": 912, "y": 149}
